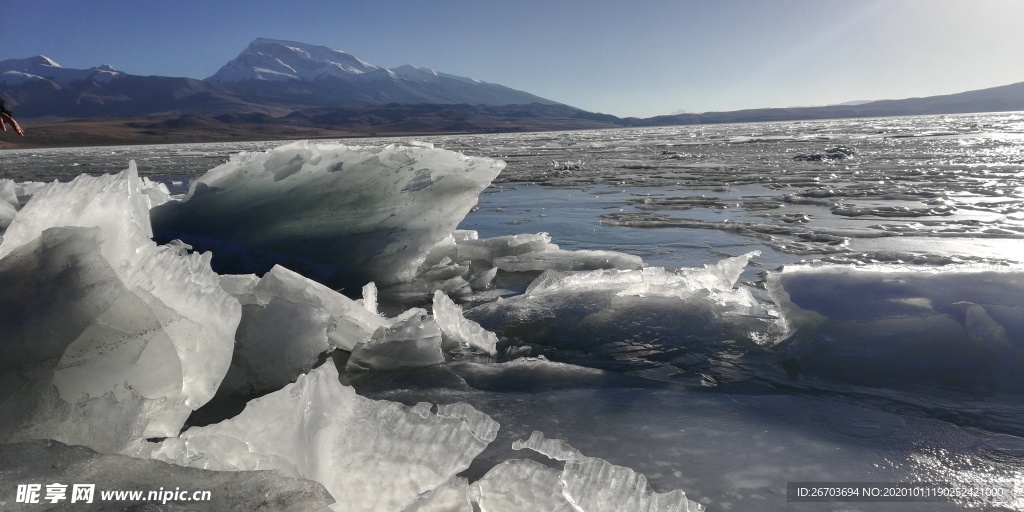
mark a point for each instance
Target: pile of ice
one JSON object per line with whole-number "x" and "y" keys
{"x": 108, "y": 340}
{"x": 612, "y": 315}
{"x": 336, "y": 213}
{"x": 462, "y": 264}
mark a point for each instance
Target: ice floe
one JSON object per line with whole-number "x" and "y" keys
{"x": 336, "y": 213}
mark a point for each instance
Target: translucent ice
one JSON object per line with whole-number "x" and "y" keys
{"x": 46, "y": 462}
{"x": 350, "y": 322}
{"x": 520, "y": 485}
{"x": 413, "y": 340}
{"x": 558, "y": 259}
{"x": 114, "y": 203}
{"x": 453, "y": 496}
{"x": 288, "y": 321}
{"x": 341, "y": 214}
{"x": 370, "y": 455}
{"x": 675, "y": 320}
{"x": 594, "y": 485}
{"x": 449, "y": 317}
{"x": 487, "y": 249}
{"x": 883, "y": 326}
{"x": 137, "y": 335}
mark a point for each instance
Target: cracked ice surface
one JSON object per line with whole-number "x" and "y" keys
{"x": 336, "y": 213}
{"x": 369, "y": 454}
{"x": 113, "y": 337}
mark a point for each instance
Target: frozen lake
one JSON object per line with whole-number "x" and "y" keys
{"x": 879, "y": 336}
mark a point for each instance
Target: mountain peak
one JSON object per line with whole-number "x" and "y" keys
{"x": 280, "y": 60}
{"x": 41, "y": 67}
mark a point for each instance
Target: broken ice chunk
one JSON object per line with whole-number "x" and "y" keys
{"x": 132, "y": 364}
{"x": 241, "y": 287}
{"x": 410, "y": 342}
{"x": 520, "y": 485}
{"x": 595, "y": 485}
{"x": 278, "y": 342}
{"x": 351, "y": 323}
{"x": 559, "y": 259}
{"x": 484, "y": 280}
{"x": 137, "y": 335}
{"x": 44, "y": 462}
{"x": 371, "y": 455}
{"x": 9, "y": 192}
{"x": 449, "y": 317}
{"x": 340, "y": 214}
{"x": 113, "y": 203}
{"x": 369, "y": 299}
{"x": 453, "y": 496}
{"x": 487, "y": 249}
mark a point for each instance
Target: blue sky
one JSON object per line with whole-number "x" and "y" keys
{"x": 628, "y": 58}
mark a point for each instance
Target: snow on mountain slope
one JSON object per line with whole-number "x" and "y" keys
{"x": 18, "y": 71}
{"x": 271, "y": 59}
{"x": 343, "y": 77}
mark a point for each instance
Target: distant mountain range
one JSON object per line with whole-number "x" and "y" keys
{"x": 284, "y": 89}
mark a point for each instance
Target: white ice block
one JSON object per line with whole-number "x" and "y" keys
{"x": 448, "y": 316}
{"x": 137, "y": 336}
{"x": 371, "y": 455}
{"x": 520, "y": 485}
{"x": 413, "y": 340}
{"x": 337, "y": 213}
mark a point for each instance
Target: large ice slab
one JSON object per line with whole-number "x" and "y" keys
{"x": 177, "y": 488}
{"x": 110, "y": 337}
{"x": 337, "y": 213}
{"x": 371, "y": 455}
{"x": 881, "y": 326}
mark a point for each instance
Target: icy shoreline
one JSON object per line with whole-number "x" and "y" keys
{"x": 155, "y": 333}
{"x": 726, "y": 380}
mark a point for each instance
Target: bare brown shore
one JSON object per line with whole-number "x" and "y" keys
{"x": 190, "y": 128}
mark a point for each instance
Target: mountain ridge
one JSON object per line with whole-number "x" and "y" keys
{"x": 285, "y": 89}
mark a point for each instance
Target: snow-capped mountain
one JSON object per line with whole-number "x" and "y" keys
{"x": 18, "y": 71}
{"x": 273, "y": 60}
{"x": 344, "y": 78}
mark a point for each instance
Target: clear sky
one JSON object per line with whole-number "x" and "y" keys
{"x": 624, "y": 57}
